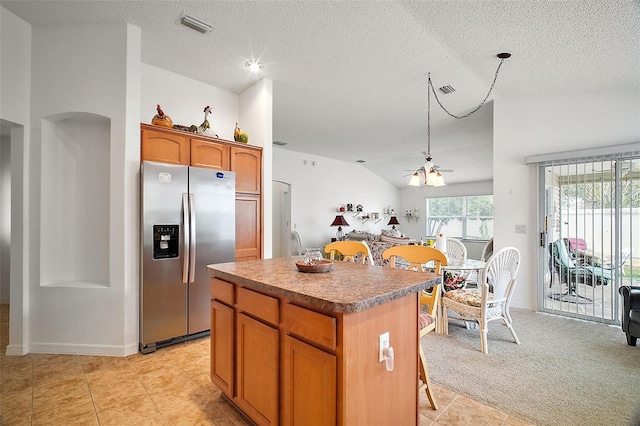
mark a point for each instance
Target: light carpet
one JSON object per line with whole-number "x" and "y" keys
{"x": 564, "y": 372}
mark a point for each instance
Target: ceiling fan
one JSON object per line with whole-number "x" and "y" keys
{"x": 429, "y": 173}
{"x": 428, "y": 165}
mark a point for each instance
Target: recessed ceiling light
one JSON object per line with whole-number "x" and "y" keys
{"x": 253, "y": 66}
{"x": 361, "y": 161}
{"x": 194, "y": 23}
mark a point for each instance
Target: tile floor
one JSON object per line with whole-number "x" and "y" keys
{"x": 168, "y": 387}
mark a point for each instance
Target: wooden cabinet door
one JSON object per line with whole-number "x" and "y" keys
{"x": 247, "y": 163}
{"x": 165, "y": 147}
{"x": 257, "y": 370}
{"x": 248, "y": 227}
{"x": 308, "y": 384}
{"x": 222, "y": 349}
{"x": 209, "y": 154}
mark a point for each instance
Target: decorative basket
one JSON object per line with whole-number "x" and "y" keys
{"x": 318, "y": 267}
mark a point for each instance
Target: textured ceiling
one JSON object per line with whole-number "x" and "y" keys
{"x": 350, "y": 76}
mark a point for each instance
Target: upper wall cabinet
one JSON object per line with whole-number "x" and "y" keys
{"x": 247, "y": 163}
{"x": 208, "y": 154}
{"x": 178, "y": 147}
{"x": 165, "y": 146}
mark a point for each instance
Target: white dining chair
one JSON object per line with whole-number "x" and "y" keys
{"x": 482, "y": 305}
{"x": 456, "y": 253}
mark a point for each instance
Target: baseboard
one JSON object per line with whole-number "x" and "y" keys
{"x": 16, "y": 350}
{"x": 79, "y": 349}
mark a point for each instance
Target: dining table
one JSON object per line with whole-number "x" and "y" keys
{"x": 468, "y": 265}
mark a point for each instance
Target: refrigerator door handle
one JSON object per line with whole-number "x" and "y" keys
{"x": 185, "y": 238}
{"x": 192, "y": 239}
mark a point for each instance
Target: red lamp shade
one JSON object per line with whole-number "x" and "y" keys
{"x": 339, "y": 221}
{"x": 393, "y": 221}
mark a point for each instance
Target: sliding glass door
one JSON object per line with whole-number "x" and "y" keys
{"x": 590, "y": 234}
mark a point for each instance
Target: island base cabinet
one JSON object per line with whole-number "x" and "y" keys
{"x": 372, "y": 395}
{"x": 222, "y": 318}
{"x": 257, "y": 370}
{"x": 291, "y": 364}
{"x": 309, "y": 385}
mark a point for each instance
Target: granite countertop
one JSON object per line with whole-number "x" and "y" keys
{"x": 348, "y": 287}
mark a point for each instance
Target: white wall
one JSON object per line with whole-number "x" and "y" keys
{"x": 15, "y": 67}
{"x": 184, "y": 100}
{"x": 74, "y": 207}
{"x": 541, "y": 125}
{"x": 15, "y": 94}
{"x": 256, "y": 116}
{"x": 99, "y": 74}
{"x": 318, "y": 190}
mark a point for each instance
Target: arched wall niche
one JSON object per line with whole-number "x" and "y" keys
{"x": 75, "y": 188}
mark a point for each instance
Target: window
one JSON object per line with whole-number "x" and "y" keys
{"x": 468, "y": 218}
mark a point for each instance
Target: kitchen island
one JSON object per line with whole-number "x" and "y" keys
{"x": 298, "y": 348}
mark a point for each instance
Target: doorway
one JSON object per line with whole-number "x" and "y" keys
{"x": 5, "y": 212}
{"x": 13, "y": 218}
{"x": 281, "y": 219}
{"x": 590, "y": 229}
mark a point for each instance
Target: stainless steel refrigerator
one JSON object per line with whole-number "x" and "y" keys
{"x": 188, "y": 222}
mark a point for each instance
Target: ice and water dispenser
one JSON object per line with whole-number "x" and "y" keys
{"x": 166, "y": 242}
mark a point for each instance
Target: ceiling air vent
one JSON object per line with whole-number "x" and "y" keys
{"x": 447, "y": 89}
{"x": 194, "y": 23}
{"x": 279, "y": 143}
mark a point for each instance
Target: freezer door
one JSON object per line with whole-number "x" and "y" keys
{"x": 163, "y": 294}
{"x": 215, "y": 230}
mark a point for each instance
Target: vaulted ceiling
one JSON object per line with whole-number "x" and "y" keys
{"x": 349, "y": 77}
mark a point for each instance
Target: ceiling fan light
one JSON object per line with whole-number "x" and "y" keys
{"x": 439, "y": 181}
{"x": 434, "y": 178}
{"x": 415, "y": 180}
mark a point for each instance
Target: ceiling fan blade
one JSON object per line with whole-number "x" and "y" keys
{"x": 446, "y": 170}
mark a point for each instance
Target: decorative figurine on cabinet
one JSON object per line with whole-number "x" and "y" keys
{"x": 161, "y": 119}
{"x": 205, "y": 127}
{"x": 239, "y": 135}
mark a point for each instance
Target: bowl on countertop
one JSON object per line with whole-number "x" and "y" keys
{"x": 317, "y": 267}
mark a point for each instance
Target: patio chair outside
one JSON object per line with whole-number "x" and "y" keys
{"x": 570, "y": 273}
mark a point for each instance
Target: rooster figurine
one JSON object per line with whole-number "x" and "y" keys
{"x": 205, "y": 127}
{"x": 239, "y": 135}
{"x": 161, "y": 119}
